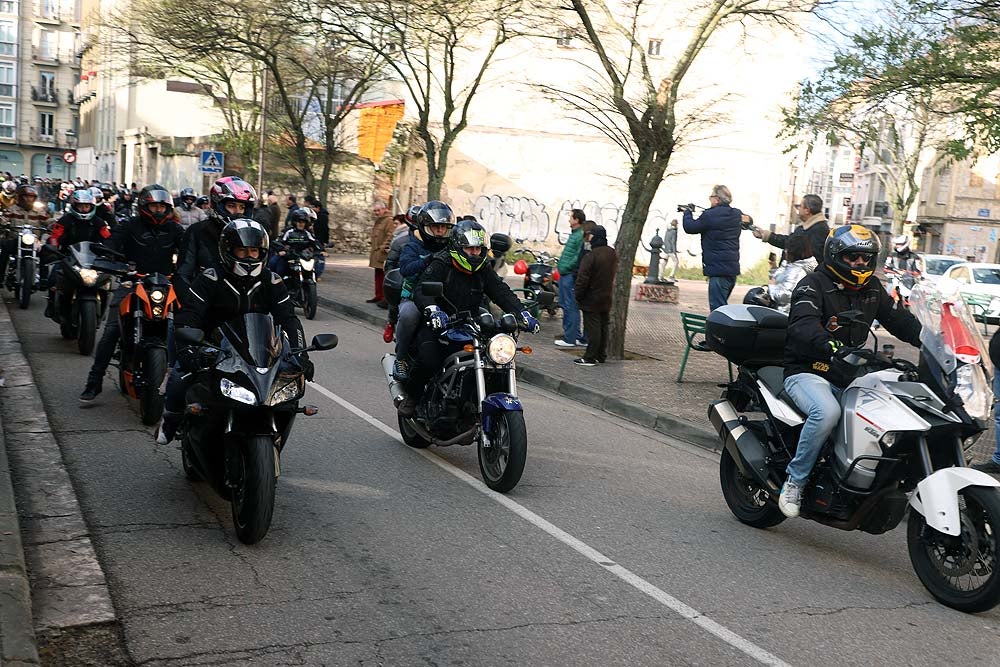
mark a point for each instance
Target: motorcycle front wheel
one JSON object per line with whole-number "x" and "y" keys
{"x": 27, "y": 283}
{"x": 309, "y": 300}
{"x": 154, "y": 367}
{"x": 962, "y": 571}
{"x": 502, "y": 463}
{"x": 746, "y": 500}
{"x": 87, "y": 332}
{"x": 253, "y": 497}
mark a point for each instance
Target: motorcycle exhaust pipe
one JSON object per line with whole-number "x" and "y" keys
{"x": 743, "y": 445}
{"x": 396, "y": 390}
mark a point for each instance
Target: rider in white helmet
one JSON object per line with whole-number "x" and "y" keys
{"x": 902, "y": 258}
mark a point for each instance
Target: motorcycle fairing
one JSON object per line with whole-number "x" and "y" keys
{"x": 936, "y": 497}
{"x": 779, "y": 408}
{"x": 254, "y": 346}
{"x": 499, "y": 402}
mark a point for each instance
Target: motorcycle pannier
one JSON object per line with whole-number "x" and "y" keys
{"x": 747, "y": 335}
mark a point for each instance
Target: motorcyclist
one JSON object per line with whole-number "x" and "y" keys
{"x": 7, "y": 198}
{"x": 296, "y": 237}
{"x": 124, "y": 204}
{"x": 24, "y": 210}
{"x": 231, "y": 198}
{"x": 464, "y": 270}
{"x": 817, "y": 342}
{"x": 434, "y": 221}
{"x": 902, "y": 257}
{"x": 105, "y": 210}
{"x": 79, "y": 223}
{"x": 241, "y": 285}
{"x": 148, "y": 241}
{"x": 187, "y": 211}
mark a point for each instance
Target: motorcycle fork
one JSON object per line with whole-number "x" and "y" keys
{"x": 478, "y": 368}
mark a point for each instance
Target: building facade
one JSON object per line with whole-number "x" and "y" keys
{"x": 959, "y": 209}
{"x": 39, "y": 120}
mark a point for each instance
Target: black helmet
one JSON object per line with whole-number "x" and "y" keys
{"x": 243, "y": 233}
{"x": 845, "y": 241}
{"x": 80, "y": 197}
{"x": 434, "y": 213}
{"x": 188, "y": 197}
{"x": 468, "y": 234}
{"x": 24, "y": 190}
{"x": 300, "y": 215}
{"x": 201, "y": 201}
{"x": 155, "y": 194}
{"x": 106, "y": 190}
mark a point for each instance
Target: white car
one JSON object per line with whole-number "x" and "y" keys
{"x": 980, "y": 286}
{"x": 936, "y": 265}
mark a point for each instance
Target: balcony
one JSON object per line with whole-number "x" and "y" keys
{"x": 71, "y": 97}
{"x": 44, "y": 56}
{"x": 58, "y": 138}
{"x": 82, "y": 92}
{"x": 44, "y": 98}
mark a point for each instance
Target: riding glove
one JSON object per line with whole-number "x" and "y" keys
{"x": 436, "y": 318}
{"x": 529, "y": 323}
{"x": 308, "y": 369}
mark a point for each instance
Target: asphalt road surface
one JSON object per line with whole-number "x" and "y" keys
{"x": 615, "y": 549}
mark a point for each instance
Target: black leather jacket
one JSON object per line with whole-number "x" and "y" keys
{"x": 151, "y": 247}
{"x": 464, "y": 290}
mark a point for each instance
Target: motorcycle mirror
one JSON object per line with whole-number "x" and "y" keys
{"x": 545, "y": 299}
{"x": 189, "y": 336}
{"x": 508, "y": 323}
{"x": 432, "y": 289}
{"x": 324, "y": 341}
{"x": 500, "y": 243}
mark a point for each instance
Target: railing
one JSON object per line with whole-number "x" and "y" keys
{"x": 61, "y": 138}
{"x": 44, "y": 96}
{"x": 47, "y": 55}
{"x": 36, "y": 136}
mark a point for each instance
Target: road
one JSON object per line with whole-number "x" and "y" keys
{"x": 615, "y": 549}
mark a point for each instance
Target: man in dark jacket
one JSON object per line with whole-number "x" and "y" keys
{"x": 816, "y": 342}
{"x": 594, "y": 282}
{"x": 812, "y": 224}
{"x": 719, "y": 226}
{"x": 992, "y": 466}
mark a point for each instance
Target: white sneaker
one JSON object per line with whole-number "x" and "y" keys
{"x": 790, "y": 499}
{"x": 559, "y": 342}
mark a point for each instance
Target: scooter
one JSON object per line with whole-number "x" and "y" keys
{"x": 899, "y": 448}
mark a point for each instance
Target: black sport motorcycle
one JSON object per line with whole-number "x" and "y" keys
{"x": 240, "y": 409}
{"x": 22, "y": 265}
{"x": 473, "y": 397}
{"x": 539, "y": 276}
{"x": 83, "y": 290}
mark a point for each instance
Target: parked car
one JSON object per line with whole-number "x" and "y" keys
{"x": 980, "y": 287}
{"x": 936, "y": 265}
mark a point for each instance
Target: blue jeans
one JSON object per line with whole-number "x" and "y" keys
{"x": 407, "y": 324}
{"x": 820, "y": 401}
{"x": 570, "y": 311}
{"x": 996, "y": 414}
{"x": 719, "y": 289}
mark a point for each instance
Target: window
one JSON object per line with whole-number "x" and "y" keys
{"x": 564, "y": 37}
{"x": 6, "y": 120}
{"x": 49, "y": 8}
{"x": 45, "y": 124}
{"x": 47, "y": 44}
{"x": 8, "y": 7}
{"x": 7, "y": 79}
{"x": 47, "y": 87}
{"x": 8, "y": 38}
{"x": 653, "y": 48}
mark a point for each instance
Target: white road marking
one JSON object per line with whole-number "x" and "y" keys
{"x": 704, "y": 622}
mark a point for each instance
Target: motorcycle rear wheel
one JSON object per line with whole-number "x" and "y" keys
{"x": 410, "y": 435}
{"x": 87, "y": 333}
{"x": 502, "y": 464}
{"x": 27, "y": 283}
{"x": 309, "y": 304}
{"x": 253, "y": 497}
{"x": 154, "y": 367}
{"x": 944, "y": 564}
{"x": 746, "y": 500}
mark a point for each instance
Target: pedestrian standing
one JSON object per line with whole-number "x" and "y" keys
{"x": 812, "y": 224}
{"x": 569, "y": 261}
{"x": 670, "y": 250}
{"x": 292, "y": 202}
{"x": 378, "y": 251}
{"x": 594, "y": 283}
{"x": 322, "y": 225}
{"x": 719, "y": 226}
{"x": 992, "y": 466}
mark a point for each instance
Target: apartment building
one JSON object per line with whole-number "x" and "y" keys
{"x": 38, "y": 69}
{"x": 959, "y": 209}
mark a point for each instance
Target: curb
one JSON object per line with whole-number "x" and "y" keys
{"x": 643, "y": 415}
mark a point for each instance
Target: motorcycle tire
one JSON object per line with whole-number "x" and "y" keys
{"x": 310, "y": 301}
{"x": 27, "y": 283}
{"x": 154, "y": 367}
{"x": 253, "y": 497}
{"x": 502, "y": 464}
{"x": 410, "y": 435}
{"x": 746, "y": 500}
{"x": 189, "y": 470}
{"x": 942, "y": 562}
{"x": 87, "y": 331}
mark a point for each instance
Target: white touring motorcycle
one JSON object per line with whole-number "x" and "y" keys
{"x": 900, "y": 445}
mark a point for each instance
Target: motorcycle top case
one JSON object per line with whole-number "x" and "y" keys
{"x": 747, "y": 335}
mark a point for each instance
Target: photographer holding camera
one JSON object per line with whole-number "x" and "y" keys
{"x": 720, "y": 226}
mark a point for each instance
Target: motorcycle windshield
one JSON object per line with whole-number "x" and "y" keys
{"x": 83, "y": 254}
{"x": 254, "y": 339}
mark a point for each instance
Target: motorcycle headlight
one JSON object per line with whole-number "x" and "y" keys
{"x": 88, "y": 276}
{"x": 307, "y": 264}
{"x": 156, "y": 296}
{"x": 28, "y": 238}
{"x": 501, "y": 349}
{"x": 974, "y": 390}
{"x": 287, "y": 392}
{"x": 234, "y": 391}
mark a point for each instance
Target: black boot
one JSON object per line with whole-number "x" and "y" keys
{"x": 91, "y": 391}
{"x": 50, "y": 307}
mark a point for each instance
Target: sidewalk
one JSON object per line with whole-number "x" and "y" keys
{"x": 642, "y": 389}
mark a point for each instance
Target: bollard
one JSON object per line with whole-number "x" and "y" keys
{"x": 655, "y": 245}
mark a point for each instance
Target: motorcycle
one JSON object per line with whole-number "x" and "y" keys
{"x": 22, "y": 266}
{"x": 83, "y": 290}
{"x": 900, "y": 284}
{"x": 300, "y": 278}
{"x": 473, "y": 397}
{"x": 899, "y": 447}
{"x": 145, "y": 314}
{"x": 540, "y": 276}
{"x": 240, "y": 410}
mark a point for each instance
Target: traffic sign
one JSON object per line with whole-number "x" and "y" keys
{"x": 212, "y": 162}
{"x": 69, "y": 157}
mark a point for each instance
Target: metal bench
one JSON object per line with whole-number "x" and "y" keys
{"x": 694, "y": 325}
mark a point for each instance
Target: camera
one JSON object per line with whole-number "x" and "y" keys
{"x": 683, "y": 208}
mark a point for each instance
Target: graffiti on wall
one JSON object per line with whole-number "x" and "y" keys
{"x": 520, "y": 217}
{"x": 608, "y": 216}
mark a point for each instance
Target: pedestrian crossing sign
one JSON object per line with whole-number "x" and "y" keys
{"x": 212, "y": 162}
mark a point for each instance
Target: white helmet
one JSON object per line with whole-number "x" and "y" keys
{"x": 98, "y": 195}
{"x": 901, "y": 243}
